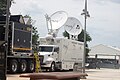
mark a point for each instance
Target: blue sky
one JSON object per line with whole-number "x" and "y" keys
{"x": 103, "y": 25}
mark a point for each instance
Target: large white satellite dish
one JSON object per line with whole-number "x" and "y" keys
{"x": 55, "y": 21}
{"x": 73, "y": 26}
{"x": 58, "y": 19}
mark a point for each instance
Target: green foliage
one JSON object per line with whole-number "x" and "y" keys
{"x": 3, "y": 4}
{"x": 35, "y": 36}
{"x": 81, "y": 37}
{"x": 66, "y": 34}
{"x": 87, "y": 51}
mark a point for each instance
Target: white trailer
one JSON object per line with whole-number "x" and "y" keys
{"x": 60, "y": 53}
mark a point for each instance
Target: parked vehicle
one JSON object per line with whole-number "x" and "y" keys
{"x": 19, "y": 56}
{"x": 60, "y": 53}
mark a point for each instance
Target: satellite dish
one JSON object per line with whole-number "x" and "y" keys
{"x": 55, "y": 21}
{"x": 73, "y": 26}
{"x": 58, "y": 19}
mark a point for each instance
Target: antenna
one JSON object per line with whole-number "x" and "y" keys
{"x": 73, "y": 27}
{"x": 55, "y": 21}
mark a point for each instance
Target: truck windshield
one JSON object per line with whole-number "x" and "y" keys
{"x": 46, "y": 49}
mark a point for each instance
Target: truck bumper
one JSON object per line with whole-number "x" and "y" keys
{"x": 45, "y": 66}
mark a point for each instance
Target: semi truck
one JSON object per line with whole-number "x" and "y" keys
{"x": 60, "y": 54}
{"x": 19, "y": 57}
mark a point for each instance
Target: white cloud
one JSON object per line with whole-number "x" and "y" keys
{"x": 104, "y": 26}
{"x": 116, "y": 1}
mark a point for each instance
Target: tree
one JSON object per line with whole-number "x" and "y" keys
{"x": 81, "y": 38}
{"x": 3, "y": 5}
{"x": 35, "y": 36}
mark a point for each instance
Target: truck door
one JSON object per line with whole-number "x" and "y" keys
{"x": 56, "y": 53}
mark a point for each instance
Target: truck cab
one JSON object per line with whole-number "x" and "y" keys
{"x": 48, "y": 56}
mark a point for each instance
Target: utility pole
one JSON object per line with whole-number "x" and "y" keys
{"x": 6, "y": 34}
{"x": 86, "y": 14}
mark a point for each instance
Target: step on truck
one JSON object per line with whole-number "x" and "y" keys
{"x": 60, "y": 54}
{"x": 19, "y": 56}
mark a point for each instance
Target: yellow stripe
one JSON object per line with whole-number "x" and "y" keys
{"x": 22, "y": 48}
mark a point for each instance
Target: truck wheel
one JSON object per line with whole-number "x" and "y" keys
{"x": 23, "y": 66}
{"x": 52, "y": 68}
{"x": 13, "y": 66}
{"x": 75, "y": 67}
{"x": 31, "y": 66}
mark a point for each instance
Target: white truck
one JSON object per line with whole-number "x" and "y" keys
{"x": 60, "y": 53}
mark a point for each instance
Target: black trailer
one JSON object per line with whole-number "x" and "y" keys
{"x": 20, "y": 57}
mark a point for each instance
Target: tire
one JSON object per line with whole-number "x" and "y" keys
{"x": 52, "y": 68}
{"x": 70, "y": 69}
{"x": 23, "y": 66}
{"x": 75, "y": 67}
{"x": 13, "y": 67}
{"x": 31, "y": 66}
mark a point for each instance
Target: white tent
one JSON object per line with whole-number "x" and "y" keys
{"x": 104, "y": 51}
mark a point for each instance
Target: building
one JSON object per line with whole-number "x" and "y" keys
{"x": 108, "y": 56}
